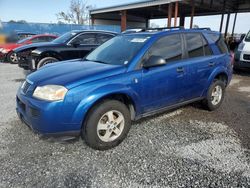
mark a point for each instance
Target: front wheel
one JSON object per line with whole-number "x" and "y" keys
{"x": 46, "y": 61}
{"x": 106, "y": 125}
{"x": 215, "y": 95}
{"x": 12, "y": 58}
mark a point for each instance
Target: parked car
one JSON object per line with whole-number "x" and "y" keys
{"x": 18, "y": 35}
{"x": 242, "y": 56}
{"x": 72, "y": 45}
{"x": 6, "y": 50}
{"x": 127, "y": 78}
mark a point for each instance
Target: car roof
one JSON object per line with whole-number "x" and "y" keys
{"x": 94, "y": 31}
{"x": 44, "y": 35}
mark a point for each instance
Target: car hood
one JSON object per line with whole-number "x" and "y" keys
{"x": 10, "y": 46}
{"x": 37, "y": 45}
{"x": 74, "y": 73}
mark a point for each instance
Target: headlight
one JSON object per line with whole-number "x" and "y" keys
{"x": 241, "y": 46}
{"x": 50, "y": 92}
{"x": 3, "y": 50}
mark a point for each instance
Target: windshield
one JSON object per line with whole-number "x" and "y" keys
{"x": 248, "y": 37}
{"x": 65, "y": 37}
{"x": 23, "y": 40}
{"x": 119, "y": 50}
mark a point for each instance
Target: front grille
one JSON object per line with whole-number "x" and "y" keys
{"x": 25, "y": 87}
{"x": 34, "y": 112}
{"x": 246, "y": 57}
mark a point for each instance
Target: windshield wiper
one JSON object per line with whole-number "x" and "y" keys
{"x": 97, "y": 61}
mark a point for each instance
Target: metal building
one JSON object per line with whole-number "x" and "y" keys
{"x": 138, "y": 14}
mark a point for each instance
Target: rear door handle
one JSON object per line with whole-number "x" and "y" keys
{"x": 211, "y": 64}
{"x": 180, "y": 69}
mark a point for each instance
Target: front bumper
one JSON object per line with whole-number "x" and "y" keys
{"x": 45, "y": 118}
{"x": 2, "y": 57}
{"x": 241, "y": 64}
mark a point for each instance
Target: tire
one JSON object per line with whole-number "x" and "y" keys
{"x": 45, "y": 61}
{"x": 98, "y": 130}
{"x": 12, "y": 58}
{"x": 215, "y": 95}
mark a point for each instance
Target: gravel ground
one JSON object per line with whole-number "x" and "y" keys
{"x": 189, "y": 147}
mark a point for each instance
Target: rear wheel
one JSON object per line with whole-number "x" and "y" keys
{"x": 106, "y": 125}
{"x": 46, "y": 61}
{"x": 215, "y": 95}
{"x": 12, "y": 58}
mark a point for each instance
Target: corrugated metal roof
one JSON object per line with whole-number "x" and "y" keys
{"x": 139, "y": 4}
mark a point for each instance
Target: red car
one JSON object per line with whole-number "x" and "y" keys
{"x": 6, "y": 50}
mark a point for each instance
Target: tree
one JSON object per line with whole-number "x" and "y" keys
{"x": 78, "y": 13}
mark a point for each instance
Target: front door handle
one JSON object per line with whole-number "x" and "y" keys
{"x": 180, "y": 69}
{"x": 211, "y": 64}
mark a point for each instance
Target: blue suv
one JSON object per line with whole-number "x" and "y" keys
{"x": 127, "y": 78}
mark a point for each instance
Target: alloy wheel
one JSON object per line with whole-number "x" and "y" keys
{"x": 110, "y": 126}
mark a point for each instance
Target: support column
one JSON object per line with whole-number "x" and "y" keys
{"x": 222, "y": 16}
{"x": 169, "y": 14}
{"x": 221, "y": 22}
{"x": 182, "y": 20}
{"x": 192, "y": 15}
{"x": 235, "y": 18}
{"x": 176, "y": 12}
{"x": 147, "y": 23}
{"x": 92, "y": 21}
{"x": 227, "y": 25}
{"x": 123, "y": 20}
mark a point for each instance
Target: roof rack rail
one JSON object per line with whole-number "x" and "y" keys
{"x": 165, "y": 28}
{"x": 136, "y": 30}
{"x": 203, "y": 28}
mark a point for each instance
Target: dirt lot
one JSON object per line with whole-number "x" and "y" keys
{"x": 188, "y": 147}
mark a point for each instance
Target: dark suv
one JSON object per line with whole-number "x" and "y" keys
{"x": 127, "y": 78}
{"x": 72, "y": 45}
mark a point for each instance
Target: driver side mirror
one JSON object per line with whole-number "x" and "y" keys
{"x": 154, "y": 61}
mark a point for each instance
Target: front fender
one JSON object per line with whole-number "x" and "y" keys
{"x": 99, "y": 93}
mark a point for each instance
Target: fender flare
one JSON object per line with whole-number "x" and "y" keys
{"x": 100, "y": 93}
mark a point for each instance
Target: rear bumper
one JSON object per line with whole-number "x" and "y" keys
{"x": 44, "y": 118}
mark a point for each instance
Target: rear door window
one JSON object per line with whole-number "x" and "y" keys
{"x": 197, "y": 45}
{"x": 86, "y": 39}
{"x": 101, "y": 38}
{"x": 194, "y": 45}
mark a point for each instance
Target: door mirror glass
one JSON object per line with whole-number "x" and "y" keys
{"x": 154, "y": 61}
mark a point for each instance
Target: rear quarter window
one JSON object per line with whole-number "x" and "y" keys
{"x": 220, "y": 43}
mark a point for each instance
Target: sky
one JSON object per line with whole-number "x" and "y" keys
{"x": 44, "y": 11}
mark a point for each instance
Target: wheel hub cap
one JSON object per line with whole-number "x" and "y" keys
{"x": 110, "y": 126}
{"x": 216, "y": 95}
